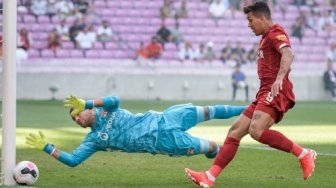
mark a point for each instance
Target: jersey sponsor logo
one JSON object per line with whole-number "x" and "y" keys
{"x": 110, "y": 121}
{"x": 104, "y": 135}
{"x": 282, "y": 37}
{"x": 261, "y": 54}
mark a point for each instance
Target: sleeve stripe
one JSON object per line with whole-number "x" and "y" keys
{"x": 283, "y": 45}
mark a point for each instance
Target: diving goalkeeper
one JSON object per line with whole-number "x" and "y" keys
{"x": 113, "y": 128}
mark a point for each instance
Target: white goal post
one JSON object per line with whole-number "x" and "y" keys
{"x": 8, "y": 152}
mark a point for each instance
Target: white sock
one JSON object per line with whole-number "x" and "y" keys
{"x": 210, "y": 176}
{"x": 303, "y": 153}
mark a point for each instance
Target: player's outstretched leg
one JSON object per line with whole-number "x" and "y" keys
{"x": 308, "y": 163}
{"x": 199, "y": 178}
{"x": 218, "y": 112}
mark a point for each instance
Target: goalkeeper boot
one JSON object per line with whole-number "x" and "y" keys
{"x": 199, "y": 178}
{"x": 308, "y": 163}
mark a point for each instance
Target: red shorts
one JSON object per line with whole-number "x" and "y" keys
{"x": 276, "y": 107}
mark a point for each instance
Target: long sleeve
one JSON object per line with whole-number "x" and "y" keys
{"x": 81, "y": 153}
{"x": 111, "y": 103}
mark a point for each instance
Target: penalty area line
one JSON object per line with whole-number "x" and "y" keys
{"x": 271, "y": 149}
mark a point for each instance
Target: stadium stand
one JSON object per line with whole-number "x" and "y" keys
{"x": 136, "y": 21}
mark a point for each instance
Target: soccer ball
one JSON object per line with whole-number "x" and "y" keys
{"x": 25, "y": 173}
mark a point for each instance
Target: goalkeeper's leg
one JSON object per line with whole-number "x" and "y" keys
{"x": 218, "y": 112}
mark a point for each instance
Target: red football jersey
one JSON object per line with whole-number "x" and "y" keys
{"x": 269, "y": 58}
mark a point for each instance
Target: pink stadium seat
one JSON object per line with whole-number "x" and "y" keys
{"x": 122, "y": 28}
{"x": 56, "y": 19}
{"x": 169, "y": 55}
{"x": 134, "y": 13}
{"x": 157, "y": 21}
{"x": 114, "y": 20}
{"x": 40, "y": 45}
{"x": 138, "y": 29}
{"x": 41, "y": 27}
{"x": 200, "y": 14}
{"x": 126, "y": 4}
{"x": 317, "y": 57}
{"x": 139, "y": 5}
{"x": 43, "y": 19}
{"x": 29, "y": 19}
{"x": 203, "y": 6}
{"x": 192, "y": 6}
{"x": 42, "y": 36}
{"x": 120, "y": 12}
{"x": 151, "y": 30}
{"x": 92, "y": 54}
{"x": 113, "y": 4}
{"x": 76, "y": 53}
{"x": 98, "y": 46}
{"x": 99, "y": 4}
{"x": 111, "y": 45}
{"x": 106, "y": 54}
{"x": 46, "y": 53}
{"x": 156, "y": 5}
{"x": 67, "y": 45}
{"x": 18, "y": 19}
{"x": 170, "y": 47}
{"x": 134, "y": 45}
{"x": 71, "y": 19}
{"x": 128, "y": 21}
{"x": 33, "y": 53}
{"x": 119, "y": 54}
{"x": 63, "y": 53}
{"x": 149, "y": 13}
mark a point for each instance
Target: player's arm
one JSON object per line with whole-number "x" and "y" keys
{"x": 109, "y": 103}
{"x": 84, "y": 151}
{"x": 285, "y": 63}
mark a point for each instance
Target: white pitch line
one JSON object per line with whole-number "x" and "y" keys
{"x": 271, "y": 149}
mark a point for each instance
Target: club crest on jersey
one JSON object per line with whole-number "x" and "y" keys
{"x": 261, "y": 54}
{"x": 103, "y": 113}
{"x": 282, "y": 37}
{"x": 191, "y": 151}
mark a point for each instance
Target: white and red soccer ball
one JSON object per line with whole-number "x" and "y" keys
{"x": 25, "y": 173}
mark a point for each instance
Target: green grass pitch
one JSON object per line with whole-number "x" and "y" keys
{"x": 311, "y": 124}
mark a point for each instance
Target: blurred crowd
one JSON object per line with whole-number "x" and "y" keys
{"x": 80, "y": 24}
{"x": 316, "y": 18}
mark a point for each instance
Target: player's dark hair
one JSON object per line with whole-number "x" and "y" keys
{"x": 259, "y": 8}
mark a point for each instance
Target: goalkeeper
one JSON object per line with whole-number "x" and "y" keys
{"x": 113, "y": 128}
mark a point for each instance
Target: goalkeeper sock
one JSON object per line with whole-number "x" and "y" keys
{"x": 218, "y": 112}
{"x": 224, "y": 111}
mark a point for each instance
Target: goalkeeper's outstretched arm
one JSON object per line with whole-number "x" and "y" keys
{"x": 109, "y": 103}
{"x": 81, "y": 153}
{"x": 78, "y": 155}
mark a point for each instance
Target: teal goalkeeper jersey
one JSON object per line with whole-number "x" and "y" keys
{"x": 119, "y": 129}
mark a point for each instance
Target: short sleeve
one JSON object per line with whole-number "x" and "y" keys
{"x": 279, "y": 40}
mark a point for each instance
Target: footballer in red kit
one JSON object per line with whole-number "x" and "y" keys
{"x": 269, "y": 57}
{"x": 275, "y": 97}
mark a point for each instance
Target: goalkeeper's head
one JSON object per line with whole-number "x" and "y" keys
{"x": 85, "y": 118}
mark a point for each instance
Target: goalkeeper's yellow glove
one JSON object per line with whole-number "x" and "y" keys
{"x": 36, "y": 141}
{"x": 78, "y": 104}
